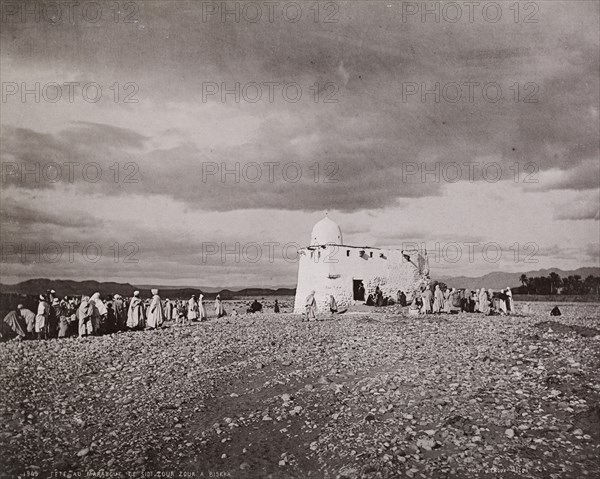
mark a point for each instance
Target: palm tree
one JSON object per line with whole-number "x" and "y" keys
{"x": 591, "y": 283}
{"x": 577, "y": 284}
{"x": 554, "y": 282}
{"x": 523, "y": 280}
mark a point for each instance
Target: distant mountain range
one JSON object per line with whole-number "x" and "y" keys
{"x": 64, "y": 287}
{"x": 500, "y": 280}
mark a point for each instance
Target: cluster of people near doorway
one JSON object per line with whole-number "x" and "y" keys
{"x": 450, "y": 300}
{"x": 377, "y": 298}
{"x": 438, "y": 299}
{"x": 94, "y": 316}
{"x": 429, "y": 300}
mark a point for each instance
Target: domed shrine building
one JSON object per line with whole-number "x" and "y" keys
{"x": 351, "y": 273}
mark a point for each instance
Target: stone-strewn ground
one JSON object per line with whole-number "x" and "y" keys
{"x": 376, "y": 394}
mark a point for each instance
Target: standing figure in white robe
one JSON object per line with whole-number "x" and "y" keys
{"x": 135, "y": 313}
{"x": 202, "y": 309}
{"x": 42, "y": 318}
{"x": 219, "y": 309}
{"x": 427, "y": 298}
{"x": 484, "y": 302}
{"x": 510, "y": 304}
{"x": 100, "y": 312}
{"x": 448, "y": 298}
{"x": 30, "y": 320}
{"x": 438, "y": 299}
{"x": 310, "y": 306}
{"x": 192, "y": 312}
{"x": 119, "y": 312}
{"x": 155, "y": 311}
{"x": 167, "y": 306}
{"x": 85, "y": 313}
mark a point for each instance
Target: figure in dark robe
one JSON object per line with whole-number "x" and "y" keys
{"x": 256, "y": 307}
{"x": 333, "y": 307}
{"x": 401, "y": 298}
{"x": 378, "y": 297}
{"x": 464, "y": 301}
{"x": 361, "y": 292}
{"x": 14, "y": 325}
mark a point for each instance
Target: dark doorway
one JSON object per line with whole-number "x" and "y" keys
{"x": 358, "y": 289}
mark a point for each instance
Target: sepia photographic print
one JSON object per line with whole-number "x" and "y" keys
{"x": 300, "y": 239}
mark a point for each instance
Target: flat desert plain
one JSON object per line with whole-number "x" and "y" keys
{"x": 375, "y": 394}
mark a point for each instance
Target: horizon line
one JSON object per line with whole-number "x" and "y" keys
{"x": 272, "y": 287}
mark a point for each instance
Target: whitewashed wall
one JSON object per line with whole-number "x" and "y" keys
{"x": 331, "y": 272}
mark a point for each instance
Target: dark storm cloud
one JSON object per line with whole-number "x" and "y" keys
{"x": 83, "y": 155}
{"x": 17, "y": 217}
{"x": 371, "y": 172}
{"x": 35, "y": 222}
{"x": 113, "y": 137}
{"x": 77, "y": 141}
{"x": 369, "y": 136}
{"x": 370, "y": 54}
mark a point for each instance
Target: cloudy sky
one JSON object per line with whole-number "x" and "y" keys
{"x": 136, "y": 142}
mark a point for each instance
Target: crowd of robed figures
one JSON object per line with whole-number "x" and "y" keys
{"x": 428, "y": 301}
{"x": 481, "y": 300}
{"x": 92, "y": 315}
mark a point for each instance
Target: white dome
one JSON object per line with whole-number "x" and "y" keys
{"x": 326, "y": 232}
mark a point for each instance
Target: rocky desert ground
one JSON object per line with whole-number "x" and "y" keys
{"x": 374, "y": 394}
